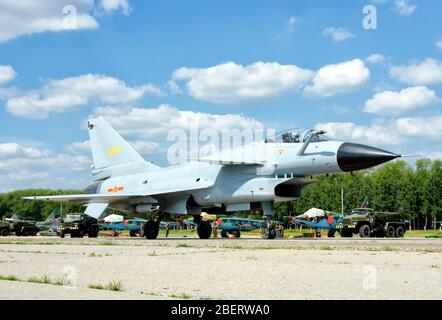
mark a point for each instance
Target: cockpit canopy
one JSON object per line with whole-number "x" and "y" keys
{"x": 296, "y": 136}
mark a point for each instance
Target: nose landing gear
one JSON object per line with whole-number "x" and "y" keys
{"x": 204, "y": 228}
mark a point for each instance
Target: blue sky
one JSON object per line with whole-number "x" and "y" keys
{"x": 151, "y": 66}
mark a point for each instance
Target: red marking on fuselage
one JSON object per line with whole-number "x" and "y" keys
{"x": 115, "y": 189}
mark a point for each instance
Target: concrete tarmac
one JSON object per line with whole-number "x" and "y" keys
{"x": 189, "y": 268}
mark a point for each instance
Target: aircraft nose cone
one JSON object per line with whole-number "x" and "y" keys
{"x": 352, "y": 156}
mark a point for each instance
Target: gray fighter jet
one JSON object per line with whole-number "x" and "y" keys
{"x": 248, "y": 177}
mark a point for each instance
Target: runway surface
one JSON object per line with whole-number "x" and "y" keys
{"x": 188, "y": 268}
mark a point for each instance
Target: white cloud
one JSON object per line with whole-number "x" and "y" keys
{"x": 429, "y": 71}
{"x": 7, "y": 73}
{"x": 431, "y": 155}
{"x": 338, "y": 78}
{"x": 406, "y": 131}
{"x": 174, "y": 88}
{"x": 68, "y": 94}
{"x": 18, "y": 18}
{"x": 12, "y": 149}
{"x": 348, "y": 131}
{"x": 154, "y": 122}
{"x": 146, "y": 147}
{"x": 291, "y": 22}
{"x": 26, "y": 17}
{"x": 60, "y": 162}
{"x": 109, "y": 6}
{"x": 375, "y": 58}
{"x": 338, "y": 34}
{"x": 232, "y": 83}
{"x": 404, "y": 8}
{"x": 24, "y": 175}
{"x": 429, "y": 128}
{"x": 30, "y": 167}
{"x": 79, "y": 147}
{"x": 393, "y": 102}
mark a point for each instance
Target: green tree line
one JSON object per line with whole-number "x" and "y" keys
{"x": 415, "y": 191}
{"x": 13, "y": 203}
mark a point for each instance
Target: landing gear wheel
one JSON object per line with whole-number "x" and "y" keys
{"x": 204, "y": 230}
{"x": 132, "y": 233}
{"x": 364, "y": 231}
{"x": 268, "y": 233}
{"x": 61, "y": 234}
{"x": 151, "y": 229}
{"x": 400, "y": 231}
{"x": 33, "y": 233}
{"x": 237, "y": 234}
{"x": 318, "y": 234}
{"x": 390, "y": 232}
{"x": 4, "y": 232}
{"x": 224, "y": 234}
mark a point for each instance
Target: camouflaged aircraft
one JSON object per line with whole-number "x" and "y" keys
{"x": 247, "y": 177}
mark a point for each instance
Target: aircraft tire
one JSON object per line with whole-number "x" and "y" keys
{"x": 34, "y": 233}
{"x": 364, "y": 231}
{"x": 331, "y": 233}
{"x": 400, "y": 232}
{"x": 268, "y": 233}
{"x": 132, "y": 233}
{"x": 204, "y": 230}
{"x": 237, "y": 234}
{"x": 4, "y": 232}
{"x": 224, "y": 234}
{"x": 61, "y": 234}
{"x": 151, "y": 229}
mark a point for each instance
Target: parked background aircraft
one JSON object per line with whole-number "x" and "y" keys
{"x": 319, "y": 220}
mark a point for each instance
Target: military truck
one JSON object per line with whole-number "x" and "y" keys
{"x": 79, "y": 225}
{"x": 18, "y": 226}
{"x": 369, "y": 223}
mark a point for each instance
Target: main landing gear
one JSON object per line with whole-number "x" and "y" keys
{"x": 204, "y": 228}
{"x": 152, "y": 227}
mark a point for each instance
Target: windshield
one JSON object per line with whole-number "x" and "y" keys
{"x": 360, "y": 211}
{"x": 296, "y": 136}
{"x": 73, "y": 217}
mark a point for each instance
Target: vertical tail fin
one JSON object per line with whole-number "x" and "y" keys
{"x": 111, "y": 153}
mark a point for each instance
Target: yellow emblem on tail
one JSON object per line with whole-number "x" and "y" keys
{"x": 112, "y": 151}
